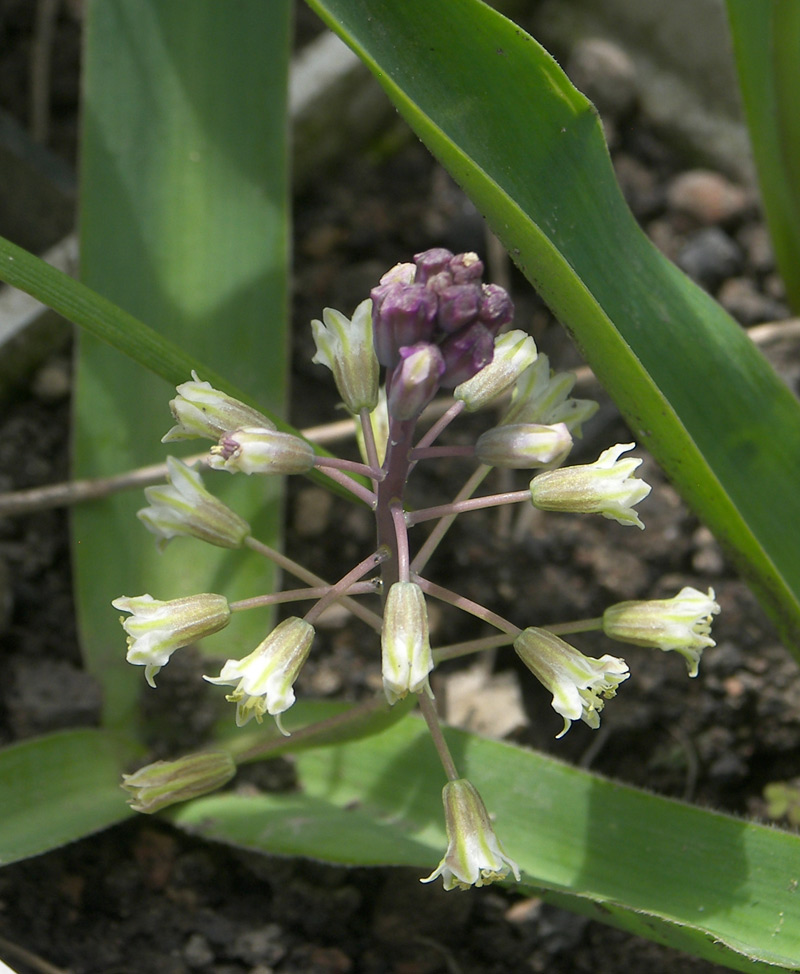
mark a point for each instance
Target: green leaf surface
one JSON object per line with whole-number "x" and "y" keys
{"x": 528, "y": 148}
{"x": 766, "y": 42}
{"x": 59, "y": 788}
{"x": 721, "y": 888}
{"x": 184, "y": 224}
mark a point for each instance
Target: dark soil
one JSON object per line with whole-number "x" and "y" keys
{"x": 143, "y": 897}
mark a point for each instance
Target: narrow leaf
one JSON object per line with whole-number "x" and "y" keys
{"x": 59, "y": 788}
{"x": 721, "y": 888}
{"x": 184, "y": 225}
{"x": 766, "y": 42}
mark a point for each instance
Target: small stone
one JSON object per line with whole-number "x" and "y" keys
{"x": 707, "y": 559}
{"x": 639, "y": 186}
{"x": 605, "y": 74}
{"x": 774, "y": 287}
{"x": 739, "y": 297}
{"x": 197, "y": 952}
{"x": 707, "y": 197}
{"x": 263, "y": 945}
{"x": 709, "y": 256}
{"x": 754, "y": 239}
{"x": 664, "y": 235}
{"x": 312, "y": 511}
{"x": 53, "y": 381}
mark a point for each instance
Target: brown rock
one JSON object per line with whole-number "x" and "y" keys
{"x": 707, "y": 197}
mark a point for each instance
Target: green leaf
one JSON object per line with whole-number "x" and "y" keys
{"x": 766, "y": 41}
{"x": 59, "y": 788}
{"x": 184, "y": 224}
{"x": 529, "y": 150}
{"x": 721, "y": 888}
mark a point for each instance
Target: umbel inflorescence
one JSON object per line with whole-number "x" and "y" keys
{"x": 429, "y": 325}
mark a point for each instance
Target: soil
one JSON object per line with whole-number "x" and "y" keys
{"x": 143, "y": 897}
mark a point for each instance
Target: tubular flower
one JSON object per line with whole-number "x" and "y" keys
{"x": 165, "y": 783}
{"x": 405, "y": 644}
{"x": 543, "y": 396}
{"x": 603, "y": 487}
{"x": 202, "y": 411}
{"x": 682, "y": 623}
{"x": 475, "y": 856}
{"x": 345, "y": 346}
{"x": 185, "y": 508}
{"x": 156, "y": 629}
{"x": 514, "y": 352}
{"x": 415, "y": 380}
{"x": 523, "y": 446}
{"x": 255, "y": 450}
{"x": 579, "y": 684}
{"x": 264, "y": 679}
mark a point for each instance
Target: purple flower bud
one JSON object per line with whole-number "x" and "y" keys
{"x": 431, "y": 262}
{"x": 458, "y": 306}
{"x": 415, "y": 380}
{"x": 496, "y": 308}
{"x": 405, "y": 315}
{"x": 466, "y": 268}
{"x": 465, "y": 353}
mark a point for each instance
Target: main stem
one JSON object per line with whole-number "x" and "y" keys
{"x": 390, "y": 496}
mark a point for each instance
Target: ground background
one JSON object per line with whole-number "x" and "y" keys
{"x": 144, "y": 898}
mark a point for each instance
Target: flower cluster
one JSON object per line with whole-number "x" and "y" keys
{"x": 431, "y": 324}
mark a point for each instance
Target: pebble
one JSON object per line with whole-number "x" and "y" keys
{"x": 312, "y": 511}
{"x": 263, "y": 945}
{"x": 707, "y": 197}
{"x": 605, "y": 74}
{"x": 710, "y": 256}
{"x": 52, "y": 381}
{"x": 707, "y": 558}
{"x": 638, "y": 184}
{"x": 197, "y": 951}
{"x": 664, "y": 235}
{"x": 740, "y": 298}
{"x": 754, "y": 239}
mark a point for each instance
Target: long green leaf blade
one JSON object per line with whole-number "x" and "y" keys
{"x": 766, "y": 42}
{"x": 59, "y": 788}
{"x": 721, "y": 888}
{"x": 529, "y": 150}
{"x": 184, "y": 225}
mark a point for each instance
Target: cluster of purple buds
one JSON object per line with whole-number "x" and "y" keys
{"x": 435, "y": 322}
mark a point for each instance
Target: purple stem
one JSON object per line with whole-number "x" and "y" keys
{"x": 473, "y": 504}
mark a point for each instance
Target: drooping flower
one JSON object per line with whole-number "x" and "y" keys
{"x": 604, "y": 487}
{"x": 523, "y": 446}
{"x": 682, "y": 623}
{"x": 580, "y": 684}
{"x": 514, "y": 352}
{"x": 255, "y": 450}
{"x": 542, "y": 396}
{"x": 405, "y": 644}
{"x": 345, "y": 346}
{"x": 264, "y": 679}
{"x": 165, "y": 783}
{"x": 475, "y": 856}
{"x": 156, "y": 629}
{"x": 202, "y": 411}
{"x": 184, "y": 507}
{"x": 415, "y": 380}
